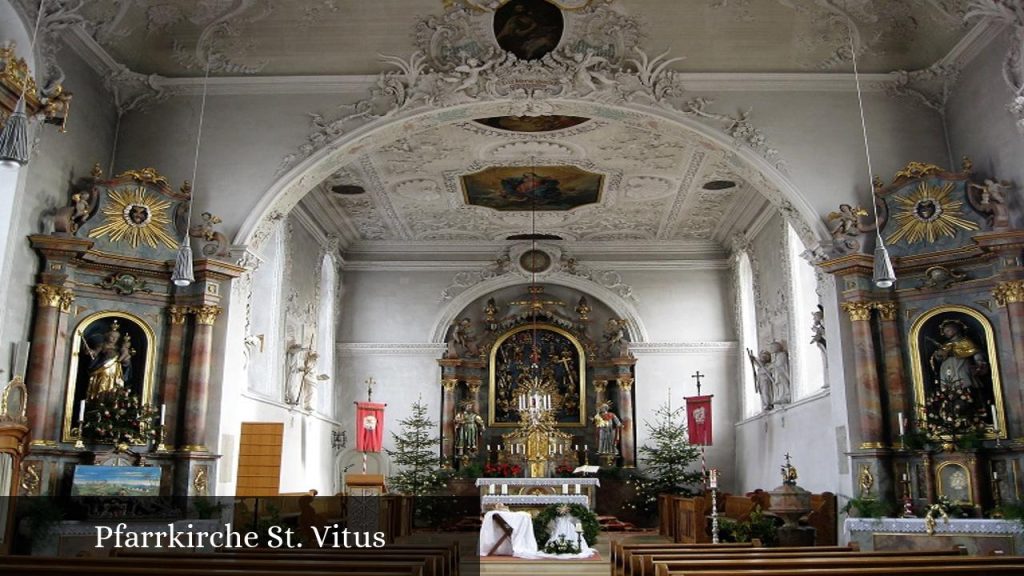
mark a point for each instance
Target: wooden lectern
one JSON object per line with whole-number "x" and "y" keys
{"x": 365, "y": 484}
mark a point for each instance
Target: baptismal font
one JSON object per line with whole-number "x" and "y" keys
{"x": 537, "y": 440}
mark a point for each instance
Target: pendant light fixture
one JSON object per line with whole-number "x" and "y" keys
{"x": 14, "y": 152}
{"x": 184, "y": 275}
{"x": 884, "y": 276}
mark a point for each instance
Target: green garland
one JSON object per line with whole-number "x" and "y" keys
{"x": 586, "y": 517}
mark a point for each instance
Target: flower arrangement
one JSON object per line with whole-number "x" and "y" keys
{"x": 564, "y": 471}
{"x": 561, "y": 546}
{"x": 502, "y": 470}
{"x": 954, "y": 414}
{"x": 118, "y": 417}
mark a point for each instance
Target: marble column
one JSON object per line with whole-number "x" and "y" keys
{"x": 895, "y": 378}
{"x": 868, "y": 392}
{"x": 173, "y": 366}
{"x": 448, "y": 420}
{"x": 197, "y": 397}
{"x": 49, "y": 301}
{"x": 626, "y": 415}
{"x": 1011, "y": 296}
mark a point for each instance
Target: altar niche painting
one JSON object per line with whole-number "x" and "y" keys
{"x": 561, "y": 365}
{"x": 108, "y": 350}
{"x": 956, "y": 345}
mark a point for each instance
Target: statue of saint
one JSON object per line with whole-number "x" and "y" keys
{"x": 607, "y": 424}
{"x": 111, "y": 361}
{"x": 468, "y": 428}
{"x": 779, "y": 368}
{"x": 960, "y": 361}
{"x": 763, "y": 383}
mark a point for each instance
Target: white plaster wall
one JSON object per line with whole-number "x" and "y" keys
{"x": 980, "y": 124}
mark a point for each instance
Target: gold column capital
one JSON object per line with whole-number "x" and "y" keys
{"x": 51, "y": 296}
{"x": 206, "y": 315}
{"x": 449, "y": 384}
{"x": 887, "y": 310}
{"x": 599, "y": 385}
{"x": 626, "y": 384}
{"x": 474, "y": 386}
{"x": 1009, "y": 292}
{"x": 178, "y": 314}
{"x": 858, "y": 311}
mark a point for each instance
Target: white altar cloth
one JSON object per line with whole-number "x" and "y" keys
{"x": 522, "y": 544}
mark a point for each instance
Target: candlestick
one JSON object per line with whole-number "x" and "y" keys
{"x": 163, "y": 413}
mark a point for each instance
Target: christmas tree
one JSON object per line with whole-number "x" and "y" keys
{"x": 416, "y": 454}
{"x": 666, "y": 459}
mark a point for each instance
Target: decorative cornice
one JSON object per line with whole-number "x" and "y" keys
{"x": 858, "y": 311}
{"x": 1009, "y": 292}
{"x": 206, "y": 315}
{"x": 887, "y": 310}
{"x": 390, "y": 349}
{"x": 728, "y": 346}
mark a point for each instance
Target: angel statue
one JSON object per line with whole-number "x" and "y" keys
{"x": 846, "y": 228}
{"x": 991, "y": 200}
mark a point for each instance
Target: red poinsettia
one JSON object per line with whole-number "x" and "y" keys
{"x": 502, "y": 470}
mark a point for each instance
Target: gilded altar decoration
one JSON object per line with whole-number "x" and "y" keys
{"x": 14, "y": 402}
{"x": 135, "y": 216}
{"x": 956, "y": 374}
{"x": 539, "y": 357}
{"x": 929, "y": 213}
{"x": 111, "y": 366}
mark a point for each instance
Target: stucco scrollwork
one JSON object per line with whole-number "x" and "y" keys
{"x": 1010, "y": 13}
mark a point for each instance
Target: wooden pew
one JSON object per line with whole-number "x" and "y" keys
{"x": 434, "y": 564}
{"x": 621, "y": 548}
{"x": 1000, "y": 570}
{"x": 648, "y": 564}
{"x": 40, "y": 566}
{"x": 823, "y": 564}
{"x": 638, "y": 562}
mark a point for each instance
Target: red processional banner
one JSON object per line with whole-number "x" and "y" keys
{"x": 369, "y": 426}
{"x": 698, "y": 419}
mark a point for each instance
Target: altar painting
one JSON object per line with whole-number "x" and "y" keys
{"x": 956, "y": 345}
{"x": 108, "y": 350}
{"x": 561, "y": 367}
{"x": 116, "y": 481}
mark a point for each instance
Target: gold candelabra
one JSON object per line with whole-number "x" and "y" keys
{"x": 537, "y": 439}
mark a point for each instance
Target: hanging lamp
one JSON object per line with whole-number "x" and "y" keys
{"x": 884, "y": 276}
{"x": 184, "y": 274}
{"x": 14, "y": 151}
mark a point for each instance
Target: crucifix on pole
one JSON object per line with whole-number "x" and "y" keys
{"x": 698, "y": 376}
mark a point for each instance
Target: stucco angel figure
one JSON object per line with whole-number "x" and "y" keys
{"x": 991, "y": 199}
{"x": 615, "y": 337}
{"x": 469, "y": 72}
{"x": 464, "y": 337}
{"x": 763, "y": 384}
{"x": 846, "y": 228}
{"x": 584, "y": 77}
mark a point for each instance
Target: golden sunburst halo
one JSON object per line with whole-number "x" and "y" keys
{"x": 929, "y": 213}
{"x": 134, "y": 216}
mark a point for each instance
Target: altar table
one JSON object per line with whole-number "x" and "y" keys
{"x": 522, "y": 543}
{"x": 538, "y": 491}
{"x": 978, "y": 536}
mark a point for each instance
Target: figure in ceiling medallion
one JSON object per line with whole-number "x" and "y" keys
{"x": 530, "y": 29}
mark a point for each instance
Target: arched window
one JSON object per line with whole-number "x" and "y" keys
{"x": 325, "y": 335}
{"x": 748, "y": 331}
{"x": 805, "y": 357}
{"x": 264, "y": 337}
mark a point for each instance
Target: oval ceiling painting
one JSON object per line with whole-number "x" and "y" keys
{"x": 546, "y": 123}
{"x": 528, "y": 28}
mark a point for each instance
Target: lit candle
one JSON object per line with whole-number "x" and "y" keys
{"x": 575, "y": 447}
{"x": 579, "y": 526}
{"x": 585, "y": 448}
{"x": 81, "y": 411}
{"x": 488, "y": 447}
{"x": 504, "y": 489}
{"x": 163, "y": 413}
{"x": 577, "y": 488}
{"x": 995, "y": 419}
{"x": 995, "y": 475}
{"x": 565, "y": 488}
{"x": 490, "y": 488}
{"x": 900, "y": 417}
{"x": 904, "y": 477}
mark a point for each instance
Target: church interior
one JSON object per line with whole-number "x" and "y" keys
{"x": 513, "y": 285}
